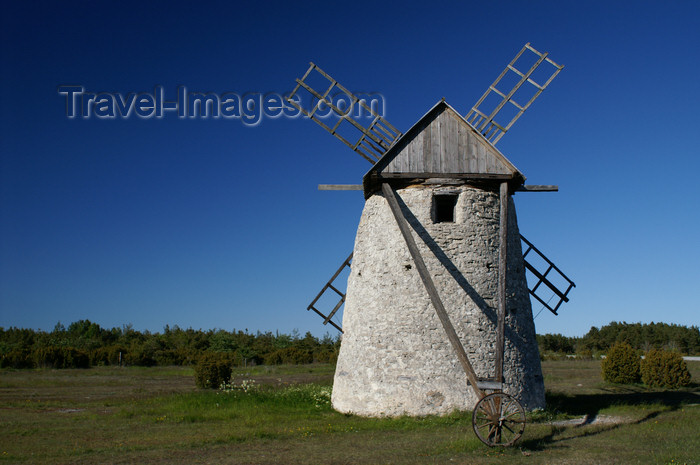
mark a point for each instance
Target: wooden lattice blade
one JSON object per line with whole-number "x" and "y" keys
{"x": 358, "y": 125}
{"x": 328, "y": 319}
{"x": 499, "y": 101}
{"x": 548, "y": 274}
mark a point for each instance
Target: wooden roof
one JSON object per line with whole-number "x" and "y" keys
{"x": 442, "y": 144}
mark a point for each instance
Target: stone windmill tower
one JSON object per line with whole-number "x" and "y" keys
{"x": 437, "y": 287}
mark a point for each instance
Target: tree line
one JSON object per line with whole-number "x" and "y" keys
{"x": 84, "y": 343}
{"x": 641, "y": 336}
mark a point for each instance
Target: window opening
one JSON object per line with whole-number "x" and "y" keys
{"x": 444, "y": 208}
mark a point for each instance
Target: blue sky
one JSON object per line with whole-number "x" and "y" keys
{"x": 212, "y": 223}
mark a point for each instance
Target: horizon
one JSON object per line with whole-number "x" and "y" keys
{"x": 333, "y": 334}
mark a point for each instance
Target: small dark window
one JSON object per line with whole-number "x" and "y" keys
{"x": 444, "y": 207}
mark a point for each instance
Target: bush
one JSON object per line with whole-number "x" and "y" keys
{"x": 140, "y": 356}
{"x": 61, "y": 357}
{"x": 212, "y": 370}
{"x": 325, "y": 356}
{"x": 621, "y": 365}
{"x": 17, "y": 358}
{"x": 661, "y": 368}
{"x": 552, "y": 356}
{"x": 289, "y": 356}
{"x": 175, "y": 357}
{"x": 108, "y": 355}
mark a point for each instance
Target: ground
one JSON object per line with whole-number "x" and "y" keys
{"x": 110, "y": 415}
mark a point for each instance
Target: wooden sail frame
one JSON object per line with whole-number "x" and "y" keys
{"x": 486, "y": 123}
{"x": 375, "y": 138}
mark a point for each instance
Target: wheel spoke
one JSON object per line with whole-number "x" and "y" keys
{"x": 492, "y": 431}
{"x": 484, "y": 424}
{"x": 511, "y": 414}
{"x": 501, "y": 417}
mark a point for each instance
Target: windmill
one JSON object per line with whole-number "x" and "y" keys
{"x": 437, "y": 286}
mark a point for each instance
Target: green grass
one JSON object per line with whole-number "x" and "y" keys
{"x": 157, "y": 416}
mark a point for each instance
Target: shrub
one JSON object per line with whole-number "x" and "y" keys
{"x": 140, "y": 356}
{"x": 274, "y": 358}
{"x": 325, "y": 356}
{"x": 108, "y": 355}
{"x": 212, "y": 370}
{"x": 552, "y": 356}
{"x": 621, "y": 365}
{"x": 17, "y": 358}
{"x": 178, "y": 356}
{"x": 289, "y": 356}
{"x": 61, "y": 357}
{"x": 661, "y": 368}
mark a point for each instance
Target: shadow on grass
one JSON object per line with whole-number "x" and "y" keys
{"x": 590, "y": 405}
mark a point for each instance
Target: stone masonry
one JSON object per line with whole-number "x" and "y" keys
{"x": 395, "y": 358}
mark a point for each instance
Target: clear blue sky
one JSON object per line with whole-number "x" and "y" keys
{"x": 209, "y": 223}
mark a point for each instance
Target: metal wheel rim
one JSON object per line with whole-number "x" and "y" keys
{"x": 498, "y": 420}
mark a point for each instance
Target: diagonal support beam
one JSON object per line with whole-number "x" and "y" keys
{"x": 390, "y": 196}
{"x": 502, "y": 266}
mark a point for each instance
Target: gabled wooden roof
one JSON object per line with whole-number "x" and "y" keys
{"x": 442, "y": 144}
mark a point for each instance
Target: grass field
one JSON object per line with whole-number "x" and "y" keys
{"x": 157, "y": 416}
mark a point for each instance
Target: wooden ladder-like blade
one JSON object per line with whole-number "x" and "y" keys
{"x": 329, "y": 285}
{"x": 546, "y": 277}
{"x": 484, "y": 120}
{"x": 374, "y": 134}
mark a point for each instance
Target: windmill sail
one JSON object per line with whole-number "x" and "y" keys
{"x": 552, "y": 277}
{"x": 373, "y": 139}
{"x": 483, "y": 118}
{"x": 329, "y": 286}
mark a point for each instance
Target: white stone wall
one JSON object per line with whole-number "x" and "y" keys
{"x": 395, "y": 358}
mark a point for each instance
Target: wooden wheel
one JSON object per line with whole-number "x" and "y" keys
{"x": 498, "y": 420}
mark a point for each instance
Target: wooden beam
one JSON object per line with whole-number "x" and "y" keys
{"x": 390, "y": 196}
{"x": 340, "y": 187}
{"x": 491, "y": 385}
{"x": 542, "y": 278}
{"x": 538, "y": 188}
{"x": 329, "y": 284}
{"x": 323, "y": 316}
{"x": 502, "y": 268}
{"x": 425, "y": 175}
